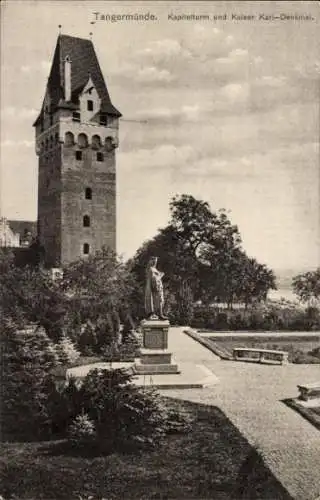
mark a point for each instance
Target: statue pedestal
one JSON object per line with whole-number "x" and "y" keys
{"x": 154, "y": 355}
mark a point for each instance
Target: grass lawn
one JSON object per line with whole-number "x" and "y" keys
{"x": 312, "y": 414}
{"x": 298, "y": 349}
{"x": 214, "y": 461}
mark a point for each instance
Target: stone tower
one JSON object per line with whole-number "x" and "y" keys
{"x": 76, "y": 138}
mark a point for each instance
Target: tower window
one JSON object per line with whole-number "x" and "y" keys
{"x": 78, "y": 155}
{"x": 99, "y": 157}
{"x": 90, "y": 105}
{"x": 103, "y": 120}
{"x": 86, "y": 248}
{"x": 88, "y": 194}
{"x": 76, "y": 116}
{"x": 86, "y": 221}
{"x": 51, "y": 120}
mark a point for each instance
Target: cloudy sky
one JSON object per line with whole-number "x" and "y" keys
{"x": 227, "y": 111}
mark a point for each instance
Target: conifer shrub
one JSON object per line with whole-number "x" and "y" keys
{"x": 67, "y": 351}
{"x": 28, "y": 356}
{"x": 122, "y": 414}
{"x": 82, "y": 431}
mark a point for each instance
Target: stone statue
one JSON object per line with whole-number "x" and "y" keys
{"x": 154, "y": 299}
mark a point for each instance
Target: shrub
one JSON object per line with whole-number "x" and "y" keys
{"x": 268, "y": 316}
{"x": 180, "y": 305}
{"x": 122, "y": 413}
{"x": 82, "y": 431}
{"x": 28, "y": 358}
{"x": 67, "y": 351}
{"x": 127, "y": 351}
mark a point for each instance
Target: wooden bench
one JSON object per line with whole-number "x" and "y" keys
{"x": 309, "y": 391}
{"x": 259, "y": 355}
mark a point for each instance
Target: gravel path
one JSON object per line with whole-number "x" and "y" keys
{"x": 250, "y": 395}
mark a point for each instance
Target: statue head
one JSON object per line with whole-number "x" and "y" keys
{"x": 153, "y": 261}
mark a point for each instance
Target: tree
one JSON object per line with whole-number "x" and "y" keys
{"x": 99, "y": 290}
{"x": 201, "y": 255}
{"x": 29, "y": 295}
{"x": 307, "y": 286}
{"x": 27, "y": 360}
{"x": 198, "y": 226}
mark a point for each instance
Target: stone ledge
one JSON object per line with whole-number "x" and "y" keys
{"x": 155, "y": 369}
{"x": 157, "y": 358}
{"x": 157, "y": 323}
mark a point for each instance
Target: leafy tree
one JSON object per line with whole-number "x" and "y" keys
{"x": 197, "y": 226}
{"x": 96, "y": 291}
{"x": 307, "y": 286}
{"x": 200, "y": 253}
{"x": 29, "y": 294}
{"x": 99, "y": 289}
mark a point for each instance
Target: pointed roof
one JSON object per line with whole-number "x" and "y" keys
{"x": 84, "y": 63}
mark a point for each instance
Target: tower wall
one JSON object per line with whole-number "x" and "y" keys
{"x": 49, "y": 201}
{"x": 100, "y": 178}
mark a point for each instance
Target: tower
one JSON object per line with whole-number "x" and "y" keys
{"x": 76, "y": 139}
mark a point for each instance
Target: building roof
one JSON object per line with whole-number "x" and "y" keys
{"x": 84, "y": 63}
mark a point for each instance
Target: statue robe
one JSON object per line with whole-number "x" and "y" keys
{"x": 154, "y": 292}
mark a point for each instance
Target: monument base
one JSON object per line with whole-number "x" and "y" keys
{"x": 154, "y": 355}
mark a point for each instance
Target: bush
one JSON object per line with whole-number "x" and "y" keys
{"x": 268, "y": 316}
{"x": 82, "y": 431}
{"x": 127, "y": 351}
{"x": 122, "y": 413}
{"x": 180, "y": 306}
{"x": 67, "y": 351}
{"x": 28, "y": 358}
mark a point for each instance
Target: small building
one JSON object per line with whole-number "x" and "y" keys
{"x": 16, "y": 233}
{"x": 8, "y": 238}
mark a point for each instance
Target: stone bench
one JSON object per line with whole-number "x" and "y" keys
{"x": 309, "y": 391}
{"x": 259, "y": 355}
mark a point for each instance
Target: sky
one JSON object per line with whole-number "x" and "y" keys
{"x": 227, "y": 111}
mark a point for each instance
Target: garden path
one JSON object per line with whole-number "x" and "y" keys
{"x": 251, "y": 396}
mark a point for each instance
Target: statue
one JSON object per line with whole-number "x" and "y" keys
{"x": 154, "y": 299}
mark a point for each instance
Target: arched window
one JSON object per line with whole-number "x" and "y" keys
{"x": 57, "y": 137}
{"x": 82, "y": 141}
{"x": 51, "y": 141}
{"x": 109, "y": 144}
{"x": 88, "y": 194}
{"x": 86, "y": 221}
{"x": 47, "y": 144}
{"x": 96, "y": 142}
{"x": 86, "y": 248}
{"x": 68, "y": 139}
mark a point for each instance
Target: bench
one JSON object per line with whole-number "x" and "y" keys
{"x": 309, "y": 391}
{"x": 259, "y": 355}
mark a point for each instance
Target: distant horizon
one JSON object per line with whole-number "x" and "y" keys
{"x": 281, "y": 273}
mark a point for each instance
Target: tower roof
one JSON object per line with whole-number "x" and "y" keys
{"x": 84, "y": 63}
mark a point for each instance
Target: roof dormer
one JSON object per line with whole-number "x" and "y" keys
{"x": 90, "y": 102}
